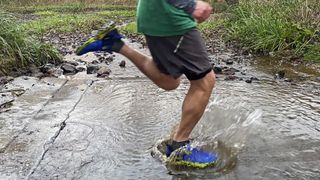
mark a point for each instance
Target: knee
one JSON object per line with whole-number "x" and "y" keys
{"x": 170, "y": 85}
{"x": 210, "y": 80}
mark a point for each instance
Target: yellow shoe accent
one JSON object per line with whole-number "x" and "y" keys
{"x": 100, "y": 35}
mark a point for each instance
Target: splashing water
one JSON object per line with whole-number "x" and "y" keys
{"x": 222, "y": 130}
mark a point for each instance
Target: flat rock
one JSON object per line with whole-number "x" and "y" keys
{"x": 69, "y": 69}
{"x": 74, "y": 63}
{"x": 103, "y": 72}
{"x": 92, "y": 68}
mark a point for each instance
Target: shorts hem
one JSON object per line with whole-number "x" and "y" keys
{"x": 194, "y": 77}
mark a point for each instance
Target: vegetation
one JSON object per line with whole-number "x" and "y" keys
{"x": 287, "y": 27}
{"x": 130, "y": 28}
{"x": 61, "y": 23}
{"x": 25, "y": 3}
{"x": 19, "y": 50}
{"x": 70, "y": 8}
{"x": 54, "y": 22}
{"x": 277, "y": 26}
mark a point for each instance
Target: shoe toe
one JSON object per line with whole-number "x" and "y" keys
{"x": 200, "y": 156}
{"x": 94, "y": 46}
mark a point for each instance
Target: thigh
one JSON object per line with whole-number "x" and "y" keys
{"x": 193, "y": 55}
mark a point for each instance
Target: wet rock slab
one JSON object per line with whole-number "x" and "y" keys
{"x": 29, "y": 128}
{"x": 86, "y": 147}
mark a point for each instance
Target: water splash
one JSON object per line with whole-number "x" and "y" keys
{"x": 223, "y": 130}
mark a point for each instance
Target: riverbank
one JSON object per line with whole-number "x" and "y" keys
{"x": 65, "y": 28}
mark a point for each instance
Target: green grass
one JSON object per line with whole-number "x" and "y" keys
{"x": 45, "y": 13}
{"x": 276, "y": 26}
{"x": 68, "y": 8}
{"x": 19, "y": 50}
{"x": 61, "y": 23}
{"x": 54, "y": 22}
{"x": 130, "y": 28}
{"x": 62, "y": 2}
{"x": 211, "y": 25}
{"x": 118, "y": 13}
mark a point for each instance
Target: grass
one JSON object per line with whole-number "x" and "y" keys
{"x": 17, "y": 47}
{"x": 61, "y": 23}
{"x": 59, "y": 2}
{"x": 211, "y": 25}
{"x": 67, "y": 8}
{"x": 46, "y": 13}
{"x": 264, "y": 26}
{"x": 53, "y": 22}
{"x": 19, "y": 50}
{"x": 130, "y": 28}
{"x": 118, "y": 13}
{"x": 277, "y": 26}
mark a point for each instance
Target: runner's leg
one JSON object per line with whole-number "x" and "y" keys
{"x": 194, "y": 105}
{"x": 146, "y": 65}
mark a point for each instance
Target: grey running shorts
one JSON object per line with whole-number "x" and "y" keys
{"x": 184, "y": 54}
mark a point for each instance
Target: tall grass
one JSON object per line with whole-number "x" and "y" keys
{"x": 277, "y": 26}
{"x": 19, "y": 50}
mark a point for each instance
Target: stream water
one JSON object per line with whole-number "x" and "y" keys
{"x": 267, "y": 129}
{"x": 263, "y": 130}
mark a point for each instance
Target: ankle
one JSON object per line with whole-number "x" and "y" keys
{"x": 179, "y": 137}
{"x": 117, "y": 46}
{"x": 176, "y": 145}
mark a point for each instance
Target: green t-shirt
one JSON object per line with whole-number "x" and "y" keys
{"x": 158, "y": 18}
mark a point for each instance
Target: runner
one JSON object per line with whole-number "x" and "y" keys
{"x": 177, "y": 48}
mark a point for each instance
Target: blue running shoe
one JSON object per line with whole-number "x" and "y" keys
{"x": 107, "y": 39}
{"x": 194, "y": 157}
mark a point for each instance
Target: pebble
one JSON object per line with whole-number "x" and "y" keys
{"x": 122, "y": 64}
{"x": 229, "y": 62}
{"x": 217, "y": 70}
{"x": 92, "y": 68}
